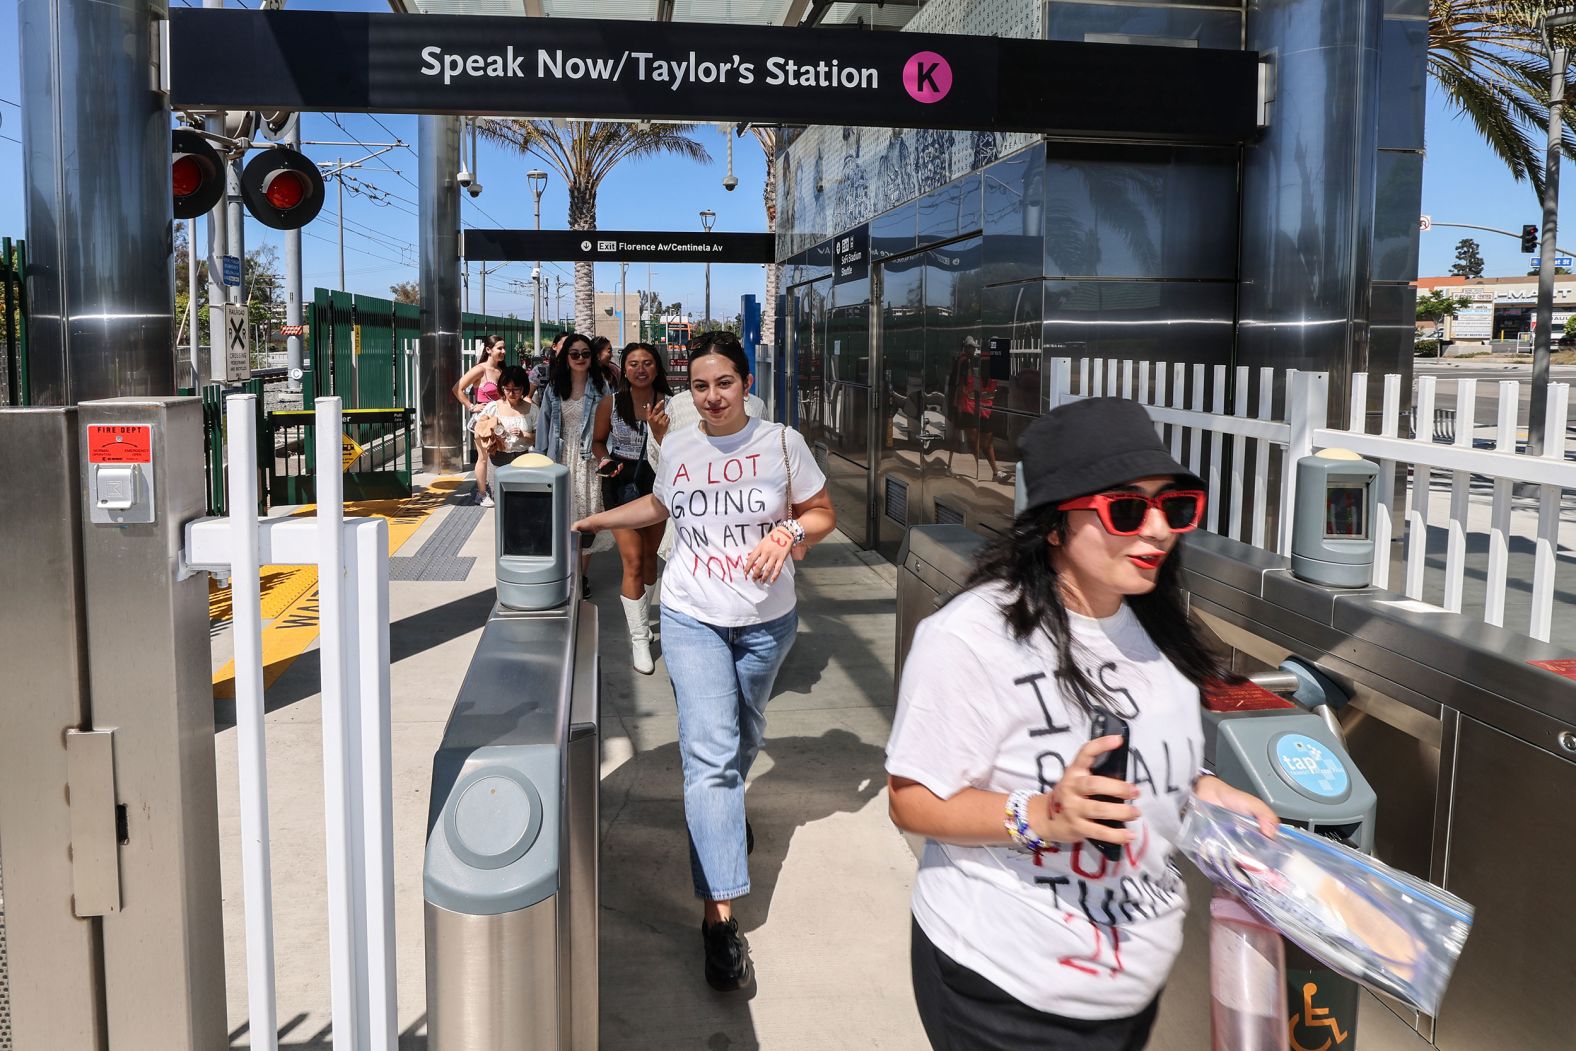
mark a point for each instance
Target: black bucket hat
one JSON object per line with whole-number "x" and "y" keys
{"x": 1092, "y": 445}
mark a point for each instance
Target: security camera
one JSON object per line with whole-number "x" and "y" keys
{"x": 729, "y": 182}
{"x": 473, "y": 188}
{"x": 464, "y": 177}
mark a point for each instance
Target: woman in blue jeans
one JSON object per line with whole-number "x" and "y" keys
{"x": 747, "y": 500}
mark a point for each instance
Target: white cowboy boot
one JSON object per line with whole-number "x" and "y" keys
{"x": 636, "y": 612}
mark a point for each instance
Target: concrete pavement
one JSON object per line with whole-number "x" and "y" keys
{"x": 827, "y": 920}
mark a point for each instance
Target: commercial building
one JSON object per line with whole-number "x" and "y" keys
{"x": 1500, "y": 308}
{"x": 930, "y": 275}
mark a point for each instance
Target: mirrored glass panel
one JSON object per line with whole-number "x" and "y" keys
{"x": 809, "y": 321}
{"x": 892, "y": 233}
{"x": 950, "y": 211}
{"x": 1010, "y": 344}
{"x": 1141, "y": 212}
{"x": 1014, "y": 202}
{"x": 1129, "y": 23}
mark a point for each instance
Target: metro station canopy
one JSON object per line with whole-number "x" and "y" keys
{"x": 893, "y": 14}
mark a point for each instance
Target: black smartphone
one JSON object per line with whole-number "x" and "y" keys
{"x": 610, "y": 469}
{"x": 1112, "y": 764}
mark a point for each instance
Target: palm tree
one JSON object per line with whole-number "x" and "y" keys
{"x": 1488, "y": 57}
{"x": 584, "y": 153}
{"x": 769, "y": 141}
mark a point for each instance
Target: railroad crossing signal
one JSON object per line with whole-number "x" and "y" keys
{"x": 237, "y": 344}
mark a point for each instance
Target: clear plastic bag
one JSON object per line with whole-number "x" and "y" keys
{"x": 1367, "y": 921}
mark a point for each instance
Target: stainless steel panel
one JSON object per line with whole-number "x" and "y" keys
{"x": 579, "y": 941}
{"x": 499, "y": 989}
{"x": 1403, "y": 80}
{"x": 809, "y": 347}
{"x": 1513, "y": 837}
{"x": 150, "y": 678}
{"x": 1399, "y": 197}
{"x": 950, "y": 211}
{"x": 1393, "y": 333}
{"x": 443, "y": 430}
{"x": 1189, "y": 322}
{"x": 96, "y": 156}
{"x": 1308, "y": 191}
{"x": 1140, "y": 211}
{"x": 52, "y": 956}
{"x": 848, "y": 484}
{"x": 1116, "y": 23}
{"x": 95, "y": 852}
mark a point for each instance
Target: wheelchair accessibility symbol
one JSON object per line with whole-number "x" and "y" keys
{"x": 1311, "y": 1017}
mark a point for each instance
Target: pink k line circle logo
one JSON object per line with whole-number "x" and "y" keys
{"x": 927, "y": 77}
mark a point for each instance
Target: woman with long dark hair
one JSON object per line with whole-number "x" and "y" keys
{"x": 747, "y": 500}
{"x": 626, "y": 424}
{"x": 565, "y": 426}
{"x": 1047, "y": 909}
{"x": 481, "y": 381}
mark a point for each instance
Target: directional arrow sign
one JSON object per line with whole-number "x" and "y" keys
{"x": 350, "y": 451}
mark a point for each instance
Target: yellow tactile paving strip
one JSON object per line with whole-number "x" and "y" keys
{"x": 289, "y": 593}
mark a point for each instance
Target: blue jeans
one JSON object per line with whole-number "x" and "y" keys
{"x": 722, "y": 678}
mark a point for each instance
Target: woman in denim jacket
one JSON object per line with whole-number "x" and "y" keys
{"x": 564, "y": 432}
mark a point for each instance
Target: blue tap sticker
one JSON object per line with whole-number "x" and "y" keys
{"x": 1311, "y": 766}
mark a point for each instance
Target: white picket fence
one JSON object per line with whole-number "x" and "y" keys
{"x": 351, "y": 556}
{"x": 1176, "y": 396}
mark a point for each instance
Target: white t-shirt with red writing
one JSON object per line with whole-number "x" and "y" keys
{"x": 1068, "y": 932}
{"x": 724, "y": 495}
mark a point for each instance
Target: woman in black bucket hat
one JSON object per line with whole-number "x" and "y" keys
{"x": 1035, "y": 924}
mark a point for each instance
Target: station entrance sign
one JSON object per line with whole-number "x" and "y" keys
{"x": 624, "y": 69}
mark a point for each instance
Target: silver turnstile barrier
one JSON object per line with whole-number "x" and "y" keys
{"x": 510, "y": 879}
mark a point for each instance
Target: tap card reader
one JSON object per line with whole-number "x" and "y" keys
{"x": 1332, "y": 540}
{"x": 1112, "y": 764}
{"x": 535, "y": 557}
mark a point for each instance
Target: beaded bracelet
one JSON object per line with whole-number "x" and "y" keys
{"x": 1017, "y": 821}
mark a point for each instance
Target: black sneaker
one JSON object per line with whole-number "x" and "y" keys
{"x": 749, "y": 839}
{"x": 727, "y": 957}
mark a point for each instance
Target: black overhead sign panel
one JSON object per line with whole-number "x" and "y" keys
{"x": 615, "y": 246}
{"x": 559, "y": 67}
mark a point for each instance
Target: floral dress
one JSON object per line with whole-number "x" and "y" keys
{"x": 585, "y": 488}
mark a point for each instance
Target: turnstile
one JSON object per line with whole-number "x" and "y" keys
{"x": 510, "y": 879}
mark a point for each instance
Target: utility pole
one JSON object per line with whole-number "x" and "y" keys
{"x": 623, "y": 302}
{"x": 537, "y": 180}
{"x": 1559, "y": 18}
{"x": 293, "y": 344}
{"x": 191, "y": 300}
{"x": 558, "y": 306}
{"x": 708, "y": 219}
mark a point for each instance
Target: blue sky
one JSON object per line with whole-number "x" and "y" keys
{"x": 1462, "y": 182}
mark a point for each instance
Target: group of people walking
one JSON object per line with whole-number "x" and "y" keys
{"x": 1047, "y": 909}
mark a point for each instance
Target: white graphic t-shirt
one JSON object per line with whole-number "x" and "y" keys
{"x": 724, "y": 495}
{"x": 1066, "y": 932}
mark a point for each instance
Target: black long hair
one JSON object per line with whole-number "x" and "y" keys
{"x": 718, "y": 341}
{"x": 623, "y": 401}
{"x": 559, "y": 376}
{"x": 1020, "y": 562}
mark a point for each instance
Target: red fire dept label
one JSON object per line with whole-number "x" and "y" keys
{"x": 120, "y": 443}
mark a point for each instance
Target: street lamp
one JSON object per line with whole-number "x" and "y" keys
{"x": 708, "y": 219}
{"x": 537, "y": 179}
{"x": 1563, "y": 17}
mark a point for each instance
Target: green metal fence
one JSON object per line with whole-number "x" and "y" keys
{"x": 213, "y": 395}
{"x": 13, "y": 322}
{"x": 375, "y": 446}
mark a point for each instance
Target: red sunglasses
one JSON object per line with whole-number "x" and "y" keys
{"x": 1123, "y": 514}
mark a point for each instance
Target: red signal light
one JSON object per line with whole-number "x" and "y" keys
{"x": 285, "y": 190}
{"x": 186, "y": 175}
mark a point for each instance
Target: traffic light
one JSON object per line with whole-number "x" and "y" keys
{"x": 1529, "y": 239}
{"x": 282, "y": 189}
{"x": 196, "y": 174}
